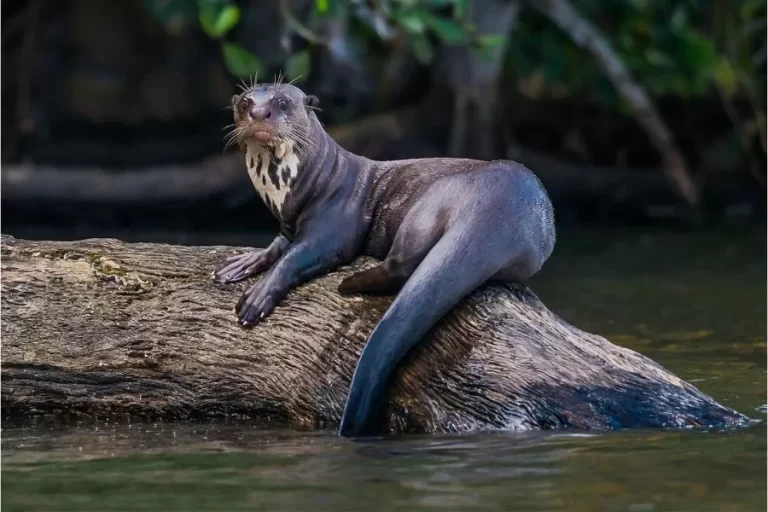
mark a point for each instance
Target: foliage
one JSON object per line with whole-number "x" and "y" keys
{"x": 680, "y": 48}
{"x": 422, "y": 21}
{"x": 683, "y": 48}
{"x": 216, "y": 18}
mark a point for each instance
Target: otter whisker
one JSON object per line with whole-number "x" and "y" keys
{"x": 230, "y": 140}
{"x": 306, "y": 146}
{"x": 238, "y": 134}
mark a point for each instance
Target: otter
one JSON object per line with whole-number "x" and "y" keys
{"x": 441, "y": 227}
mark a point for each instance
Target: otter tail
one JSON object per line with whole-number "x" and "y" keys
{"x": 454, "y": 267}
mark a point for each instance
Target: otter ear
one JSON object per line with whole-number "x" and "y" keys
{"x": 311, "y": 101}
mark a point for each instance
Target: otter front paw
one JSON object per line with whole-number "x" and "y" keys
{"x": 242, "y": 266}
{"x": 257, "y": 303}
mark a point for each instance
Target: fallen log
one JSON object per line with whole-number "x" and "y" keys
{"x": 104, "y": 329}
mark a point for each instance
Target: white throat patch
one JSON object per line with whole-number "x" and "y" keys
{"x": 272, "y": 172}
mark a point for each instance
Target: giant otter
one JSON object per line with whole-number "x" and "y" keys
{"x": 442, "y": 226}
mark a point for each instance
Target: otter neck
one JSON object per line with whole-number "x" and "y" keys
{"x": 273, "y": 172}
{"x": 308, "y": 175}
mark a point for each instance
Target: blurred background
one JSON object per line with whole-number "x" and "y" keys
{"x": 632, "y": 112}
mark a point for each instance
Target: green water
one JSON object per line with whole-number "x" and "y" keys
{"x": 696, "y": 303}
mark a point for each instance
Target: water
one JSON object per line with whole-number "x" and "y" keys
{"x": 696, "y": 303}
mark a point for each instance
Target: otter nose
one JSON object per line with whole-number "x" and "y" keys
{"x": 259, "y": 112}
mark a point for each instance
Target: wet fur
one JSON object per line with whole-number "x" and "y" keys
{"x": 441, "y": 227}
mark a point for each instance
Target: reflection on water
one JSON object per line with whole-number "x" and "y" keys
{"x": 695, "y": 303}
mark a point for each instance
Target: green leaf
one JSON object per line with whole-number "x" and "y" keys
{"x": 208, "y": 22}
{"x": 726, "y": 78}
{"x": 240, "y": 62}
{"x": 699, "y": 52}
{"x": 422, "y": 49}
{"x": 227, "y": 19}
{"x": 447, "y": 30}
{"x": 322, "y": 5}
{"x": 490, "y": 40}
{"x": 298, "y": 65}
{"x": 218, "y": 18}
{"x": 412, "y": 21}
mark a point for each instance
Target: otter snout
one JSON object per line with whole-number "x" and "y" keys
{"x": 258, "y": 116}
{"x": 253, "y": 110}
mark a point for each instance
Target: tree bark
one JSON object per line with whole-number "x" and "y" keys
{"x": 104, "y": 329}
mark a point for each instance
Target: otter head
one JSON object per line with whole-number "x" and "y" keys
{"x": 269, "y": 115}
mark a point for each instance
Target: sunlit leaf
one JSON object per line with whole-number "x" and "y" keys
{"x": 217, "y": 17}
{"x": 240, "y": 62}
{"x": 322, "y": 5}
{"x": 412, "y": 21}
{"x": 227, "y": 19}
{"x": 726, "y": 78}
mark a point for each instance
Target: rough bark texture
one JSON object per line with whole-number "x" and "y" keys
{"x": 102, "y": 328}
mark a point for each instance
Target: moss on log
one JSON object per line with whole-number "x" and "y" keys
{"x": 112, "y": 330}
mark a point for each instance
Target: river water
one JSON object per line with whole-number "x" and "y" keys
{"x": 694, "y": 302}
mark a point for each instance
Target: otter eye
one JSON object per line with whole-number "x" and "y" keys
{"x": 282, "y": 105}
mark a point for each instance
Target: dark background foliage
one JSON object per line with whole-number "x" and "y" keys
{"x": 99, "y": 95}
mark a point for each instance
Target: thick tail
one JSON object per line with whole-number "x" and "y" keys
{"x": 454, "y": 267}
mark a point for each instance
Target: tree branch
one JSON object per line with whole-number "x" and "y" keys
{"x": 588, "y": 36}
{"x": 101, "y": 328}
{"x": 215, "y": 175}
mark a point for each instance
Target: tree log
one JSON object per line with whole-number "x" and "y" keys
{"x": 104, "y": 329}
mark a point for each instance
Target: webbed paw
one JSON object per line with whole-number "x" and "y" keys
{"x": 257, "y": 303}
{"x": 239, "y": 267}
